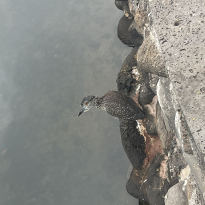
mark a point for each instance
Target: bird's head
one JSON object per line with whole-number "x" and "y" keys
{"x": 87, "y": 103}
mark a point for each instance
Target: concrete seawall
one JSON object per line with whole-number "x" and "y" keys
{"x": 165, "y": 74}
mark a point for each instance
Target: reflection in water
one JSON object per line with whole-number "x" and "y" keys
{"x": 53, "y": 53}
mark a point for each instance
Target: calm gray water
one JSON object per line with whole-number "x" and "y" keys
{"x": 53, "y": 53}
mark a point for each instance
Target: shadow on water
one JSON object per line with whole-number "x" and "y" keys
{"x": 53, "y": 54}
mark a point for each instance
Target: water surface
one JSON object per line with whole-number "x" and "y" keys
{"x": 53, "y": 53}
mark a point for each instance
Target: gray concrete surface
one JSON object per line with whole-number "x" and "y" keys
{"x": 174, "y": 43}
{"x": 180, "y": 28}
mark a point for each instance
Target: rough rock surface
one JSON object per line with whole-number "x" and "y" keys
{"x": 170, "y": 63}
{"x": 176, "y": 195}
{"x": 133, "y": 143}
{"x": 122, "y": 30}
{"x": 127, "y": 34}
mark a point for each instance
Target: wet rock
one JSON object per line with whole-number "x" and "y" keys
{"x": 135, "y": 36}
{"x": 129, "y": 77}
{"x": 141, "y": 202}
{"x": 135, "y": 186}
{"x": 127, "y": 34}
{"x": 157, "y": 184}
{"x": 123, "y": 32}
{"x": 133, "y": 143}
{"x": 126, "y": 83}
{"x": 123, "y": 5}
{"x": 130, "y": 61}
{"x": 145, "y": 95}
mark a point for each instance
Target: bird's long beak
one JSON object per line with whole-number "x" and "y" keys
{"x": 81, "y": 111}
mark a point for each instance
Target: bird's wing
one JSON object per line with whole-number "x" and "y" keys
{"x": 119, "y": 112}
{"x": 121, "y": 106}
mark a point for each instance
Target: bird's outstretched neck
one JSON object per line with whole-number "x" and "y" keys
{"x": 115, "y": 103}
{"x": 98, "y": 102}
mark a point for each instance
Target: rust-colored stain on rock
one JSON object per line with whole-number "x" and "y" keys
{"x": 153, "y": 145}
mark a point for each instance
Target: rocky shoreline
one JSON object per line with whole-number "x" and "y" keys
{"x": 165, "y": 75}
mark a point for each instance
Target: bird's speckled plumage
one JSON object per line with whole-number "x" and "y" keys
{"x": 116, "y": 104}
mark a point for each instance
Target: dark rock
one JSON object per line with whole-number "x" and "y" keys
{"x": 135, "y": 37}
{"x": 135, "y": 188}
{"x": 129, "y": 78}
{"x": 130, "y": 61}
{"x": 126, "y": 83}
{"x": 157, "y": 184}
{"x": 127, "y": 34}
{"x": 120, "y": 4}
{"x": 141, "y": 202}
{"x": 145, "y": 95}
{"x": 122, "y": 30}
{"x": 133, "y": 143}
{"x": 123, "y": 5}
